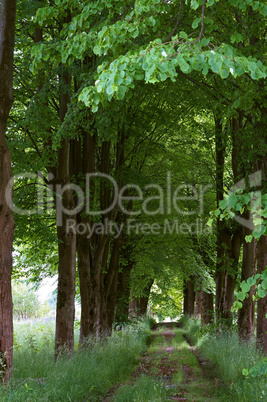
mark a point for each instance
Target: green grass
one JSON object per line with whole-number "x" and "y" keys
{"x": 87, "y": 375}
{"x": 230, "y": 357}
{"x": 33, "y": 349}
{"x": 145, "y": 389}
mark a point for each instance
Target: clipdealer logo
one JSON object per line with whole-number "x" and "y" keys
{"x": 152, "y": 200}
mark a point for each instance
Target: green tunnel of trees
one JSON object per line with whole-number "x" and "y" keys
{"x": 154, "y": 113}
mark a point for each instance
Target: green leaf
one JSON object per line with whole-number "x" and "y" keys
{"x": 245, "y": 287}
{"x": 241, "y": 296}
{"x": 237, "y": 305}
{"x": 205, "y": 41}
{"x": 110, "y": 90}
{"x": 185, "y": 68}
{"x": 248, "y": 238}
{"x": 251, "y": 281}
{"x": 183, "y": 35}
{"x": 196, "y": 22}
{"x": 232, "y": 200}
{"x": 224, "y": 73}
{"x": 121, "y": 92}
{"x": 264, "y": 284}
{"x": 261, "y": 292}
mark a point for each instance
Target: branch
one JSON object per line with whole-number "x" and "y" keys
{"x": 202, "y": 20}
{"x": 177, "y": 22}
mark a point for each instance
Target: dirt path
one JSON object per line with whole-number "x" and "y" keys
{"x": 168, "y": 371}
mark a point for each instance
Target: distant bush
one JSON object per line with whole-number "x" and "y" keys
{"x": 26, "y": 303}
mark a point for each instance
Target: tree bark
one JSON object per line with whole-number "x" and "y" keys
{"x": 123, "y": 294}
{"x": 207, "y": 311}
{"x": 220, "y": 266}
{"x": 198, "y": 303}
{"x": 189, "y": 296}
{"x": 111, "y": 282}
{"x": 7, "y": 38}
{"x": 138, "y": 305}
{"x": 246, "y": 315}
{"x": 65, "y": 315}
{"x": 185, "y": 293}
{"x": 262, "y": 303}
{"x": 233, "y": 248}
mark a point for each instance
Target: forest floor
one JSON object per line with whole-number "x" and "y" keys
{"x": 178, "y": 373}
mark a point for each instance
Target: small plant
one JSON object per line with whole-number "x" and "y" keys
{"x": 260, "y": 370}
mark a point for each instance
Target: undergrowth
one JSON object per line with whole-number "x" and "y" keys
{"x": 89, "y": 373}
{"x": 238, "y": 364}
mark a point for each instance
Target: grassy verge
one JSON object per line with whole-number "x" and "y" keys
{"x": 87, "y": 375}
{"x": 232, "y": 359}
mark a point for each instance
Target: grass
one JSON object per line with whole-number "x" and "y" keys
{"x": 87, "y": 375}
{"x": 146, "y": 389}
{"x": 230, "y": 357}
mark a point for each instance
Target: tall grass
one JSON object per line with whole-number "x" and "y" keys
{"x": 33, "y": 348}
{"x": 87, "y": 375}
{"x": 230, "y": 357}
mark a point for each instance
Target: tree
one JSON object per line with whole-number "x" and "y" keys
{"x": 99, "y": 54}
{"x": 7, "y": 37}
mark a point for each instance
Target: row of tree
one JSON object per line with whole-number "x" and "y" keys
{"x": 81, "y": 107}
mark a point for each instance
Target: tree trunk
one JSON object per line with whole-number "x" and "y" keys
{"x": 7, "y": 37}
{"x": 262, "y": 303}
{"x": 207, "y": 311}
{"x": 123, "y": 294}
{"x": 90, "y": 260}
{"x": 111, "y": 282}
{"x": 88, "y": 308}
{"x": 233, "y": 248}
{"x": 185, "y": 292}
{"x": 220, "y": 266}
{"x": 65, "y": 315}
{"x": 246, "y": 315}
{"x": 198, "y": 303}
{"x": 138, "y": 305}
{"x": 228, "y": 299}
{"x": 189, "y": 296}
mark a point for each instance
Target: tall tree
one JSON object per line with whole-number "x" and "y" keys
{"x": 7, "y": 38}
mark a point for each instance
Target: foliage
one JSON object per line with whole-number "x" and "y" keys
{"x": 258, "y": 370}
{"x": 235, "y": 203}
{"x": 260, "y": 283}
